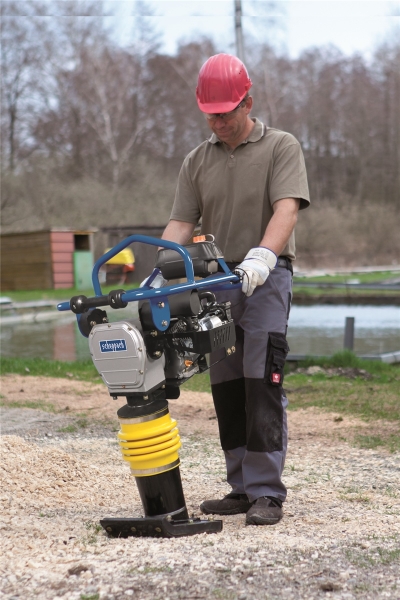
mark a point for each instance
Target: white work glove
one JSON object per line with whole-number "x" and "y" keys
{"x": 156, "y": 280}
{"x": 255, "y": 268}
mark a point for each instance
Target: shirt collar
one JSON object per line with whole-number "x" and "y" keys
{"x": 256, "y": 134}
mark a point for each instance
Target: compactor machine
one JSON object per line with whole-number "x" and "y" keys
{"x": 144, "y": 361}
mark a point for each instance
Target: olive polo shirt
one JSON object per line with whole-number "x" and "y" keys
{"x": 234, "y": 190}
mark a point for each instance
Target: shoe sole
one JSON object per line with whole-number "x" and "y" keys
{"x": 256, "y": 520}
{"x": 233, "y": 511}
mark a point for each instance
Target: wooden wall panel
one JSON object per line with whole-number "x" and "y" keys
{"x": 26, "y": 261}
{"x": 38, "y": 260}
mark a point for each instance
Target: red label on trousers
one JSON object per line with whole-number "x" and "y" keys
{"x": 276, "y": 378}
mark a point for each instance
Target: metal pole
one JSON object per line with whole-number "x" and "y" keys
{"x": 238, "y": 30}
{"x": 349, "y": 333}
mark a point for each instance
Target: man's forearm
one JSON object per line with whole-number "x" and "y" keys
{"x": 178, "y": 231}
{"x": 281, "y": 225}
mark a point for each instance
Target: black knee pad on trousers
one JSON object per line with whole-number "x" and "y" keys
{"x": 250, "y": 411}
{"x": 264, "y": 424}
{"x": 230, "y": 405}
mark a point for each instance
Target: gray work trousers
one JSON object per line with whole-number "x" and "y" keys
{"x": 247, "y": 388}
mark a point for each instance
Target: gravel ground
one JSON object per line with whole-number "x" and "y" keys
{"x": 340, "y": 536}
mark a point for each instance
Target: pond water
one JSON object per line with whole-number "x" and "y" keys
{"x": 319, "y": 329}
{"x": 313, "y": 330}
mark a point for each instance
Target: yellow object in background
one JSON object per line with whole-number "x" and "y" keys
{"x": 125, "y": 257}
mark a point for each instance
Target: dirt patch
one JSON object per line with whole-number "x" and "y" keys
{"x": 194, "y": 411}
{"x": 339, "y": 538}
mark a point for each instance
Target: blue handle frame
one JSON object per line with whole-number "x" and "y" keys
{"x": 160, "y": 309}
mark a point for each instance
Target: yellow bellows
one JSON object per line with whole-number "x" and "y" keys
{"x": 150, "y": 444}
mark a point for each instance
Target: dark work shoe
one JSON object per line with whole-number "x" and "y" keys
{"x": 232, "y": 504}
{"x": 265, "y": 511}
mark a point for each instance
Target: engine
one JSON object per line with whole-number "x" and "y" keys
{"x": 135, "y": 358}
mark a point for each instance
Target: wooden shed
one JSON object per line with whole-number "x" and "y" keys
{"x": 53, "y": 259}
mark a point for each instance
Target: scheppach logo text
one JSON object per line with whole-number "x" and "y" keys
{"x": 112, "y": 345}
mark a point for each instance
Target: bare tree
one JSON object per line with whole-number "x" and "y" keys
{"x": 177, "y": 124}
{"x": 108, "y": 82}
{"x": 25, "y": 45}
{"x": 93, "y": 133}
{"x": 387, "y": 74}
{"x": 145, "y": 37}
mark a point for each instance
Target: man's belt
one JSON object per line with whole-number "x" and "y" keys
{"x": 283, "y": 261}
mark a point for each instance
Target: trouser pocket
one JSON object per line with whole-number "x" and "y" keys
{"x": 277, "y": 350}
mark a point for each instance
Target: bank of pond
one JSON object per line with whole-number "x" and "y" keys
{"x": 317, "y": 329}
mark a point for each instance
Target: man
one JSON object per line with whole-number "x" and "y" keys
{"x": 247, "y": 182}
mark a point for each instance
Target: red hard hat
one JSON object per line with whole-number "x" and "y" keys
{"x": 223, "y": 82}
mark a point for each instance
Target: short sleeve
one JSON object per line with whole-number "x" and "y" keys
{"x": 186, "y": 205}
{"x": 289, "y": 176}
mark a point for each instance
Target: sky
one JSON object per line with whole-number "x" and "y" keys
{"x": 351, "y": 25}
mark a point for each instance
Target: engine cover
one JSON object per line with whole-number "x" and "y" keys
{"x": 119, "y": 354}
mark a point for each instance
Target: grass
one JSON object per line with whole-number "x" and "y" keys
{"x": 375, "y": 398}
{"x": 198, "y": 383}
{"x": 334, "y": 393}
{"x": 224, "y": 593}
{"x": 354, "y": 494}
{"x": 316, "y": 292}
{"x": 40, "y": 367}
{"x": 372, "y": 557}
{"x": 345, "y": 358}
{"x": 371, "y": 442}
{"x": 372, "y": 393}
{"x": 374, "y": 277}
{"x": 80, "y": 423}
{"x": 371, "y": 399}
{"x": 92, "y": 531}
{"x": 68, "y": 429}
{"x": 79, "y": 370}
{"x": 61, "y": 295}
{"x": 35, "y": 404}
{"x": 382, "y": 374}
{"x": 146, "y": 570}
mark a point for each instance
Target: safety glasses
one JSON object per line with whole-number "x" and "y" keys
{"x": 225, "y": 116}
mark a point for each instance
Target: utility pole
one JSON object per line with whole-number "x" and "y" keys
{"x": 238, "y": 30}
